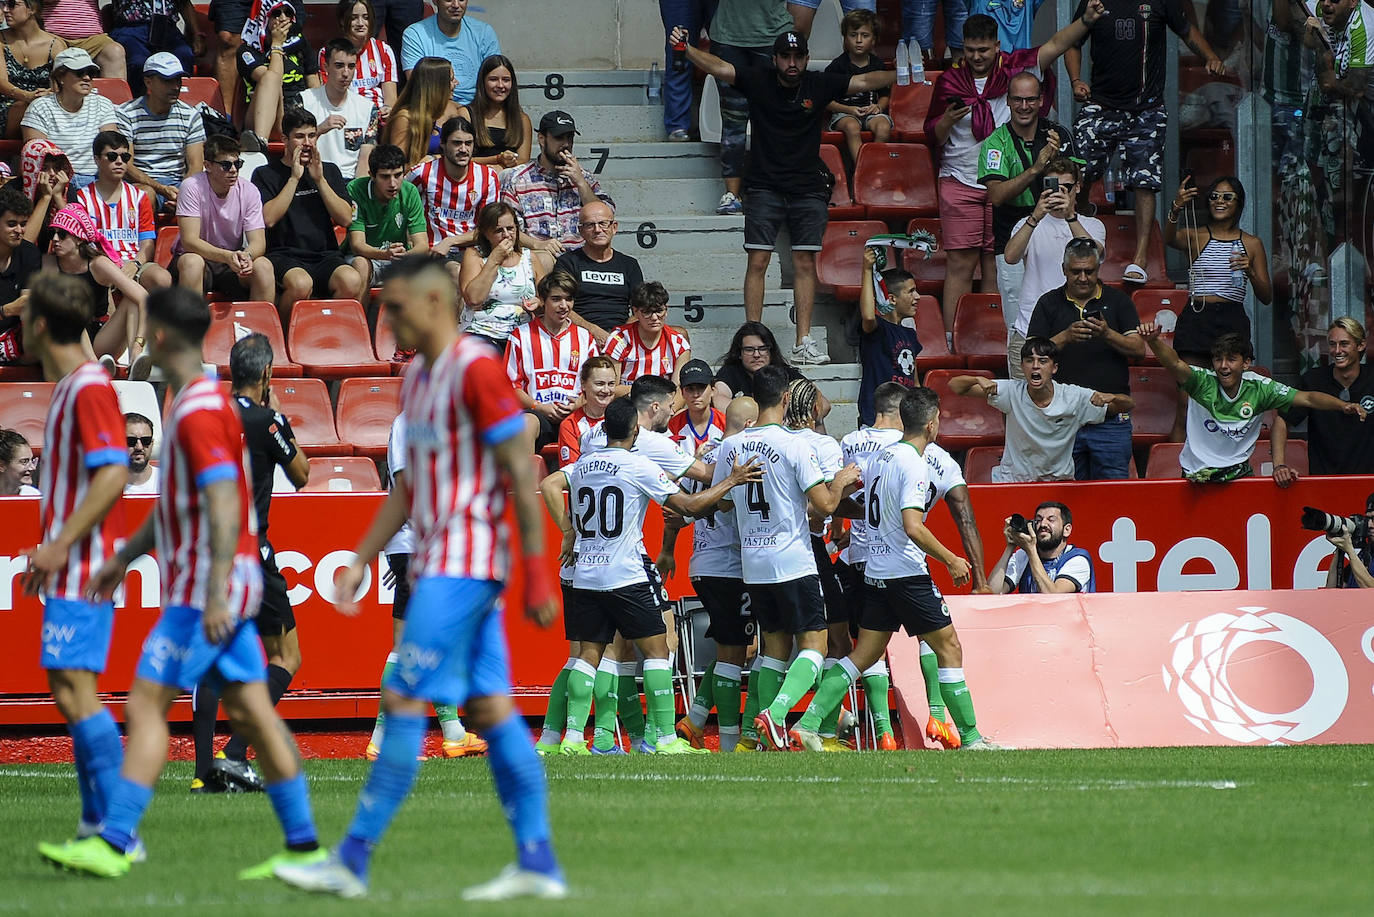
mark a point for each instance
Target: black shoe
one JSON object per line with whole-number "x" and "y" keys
{"x": 202, "y": 786}
{"x": 234, "y": 776}
{"x": 250, "y": 142}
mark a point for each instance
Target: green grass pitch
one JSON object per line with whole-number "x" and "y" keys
{"x": 1141, "y": 831}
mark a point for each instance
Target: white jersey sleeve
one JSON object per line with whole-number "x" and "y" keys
{"x": 945, "y": 473}
{"x": 663, "y": 452}
{"x": 715, "y": 538}
{"x": 403, "y": 542}
{"x": 1016, "y": 567}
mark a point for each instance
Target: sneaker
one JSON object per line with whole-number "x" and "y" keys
{"x": 835, "y": 743}
{"x": 847, "y": 724}
{"x": 887, "y": 742}
{"x": 372, "y": 752}
{"x": 328, "y": 875}
{"x": 985, "y": 744}
{"x": 691, "y": 732}
{"x": 940, "y": 731}
{"x": 514, "y": 882}
{"x": 234, "y": 775}
{"x": 403, "y": 356}
{"x": 748, "y": 744}
{"x": 573, "y": 747}
{"x": 545, "y": 749}
{"x": 250, "y": 142}
{"x": 730, "y": 205}
{"x": 774, "y": 733}
{"x": 678, "y": 746}
{"x": 469, "y": 746}
{"x": 679, "y": 136}
{"x": 805, "y": 740}
{"x": 642, "y": 746}
{"x": 809, "y": 353}
{"x": 268, "y": 868}
{"x": 109, "y": 364}
{"x": 140, "y": 368}
{"x": 613, "y": 750}
{"x": 90, "y": 855}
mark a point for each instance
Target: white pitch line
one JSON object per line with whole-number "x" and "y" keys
{"x": 1095, "y": 784}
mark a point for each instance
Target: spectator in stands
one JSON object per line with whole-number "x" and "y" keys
{"x": 1039, "y": 558}
{"x": 500, "y": 276}
{"x": 17, "y": 464}
{"x": 277, "y": 67}
{"x": 449, "y": 34}
{"x": 677, "y": 83}
{"x": 168, "y": 135}
{"x": 78, "y": 23}
{"x": 388, "y": 216}
{"x": 968, "y": 104}
{"x": 454, "y": 190}
{"x": 698, "y": 424}
{"x": 348, "y": 122}
{"x": 599, "y": 377}
{"x": 71, "y": 116}
{"x": 788, "y": 183}
{"x": 303, "y": 199}
{"x": 29, "y": 53}
{"x": 122, "y": 212}
{"x": 1043, "y": 417}
{"x": 229, "y": 17}
{"x": 918, "y": 25}
{"x": 605, "y": 277}
{"x": 143, "y": 476}
{"x": 1036, "y": 247}
{"x": 549, "y": 191}
{"x": 396, "y": 16}
{"x": 1227, "y": 403}
{"x": 146, "y": 28}
{"x": 223, "y": 239}
{"x": 1336, "y": 443}
{"x": 1015, "y": 20}
{"x": 1094, "y": 327}
{"x": 424, "y": 104}
{"x": 751, "y": 349}
{"x": 377, "y": 73}
{"x": 1011, "y": 165}
{"x": 1124, "y": 108}
{"x": 648, "y": 345}
{"x": 20, "y": 259}
{"x": 863, "y": 111}
{"x": 45, "y": 176}
{"x": 500, "y": 126}
{"x": 544, "y": 359}
{"x": 887, "y": 347}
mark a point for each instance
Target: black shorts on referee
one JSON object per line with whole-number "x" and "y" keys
{"x": 910, "y": 602}
{"x": 275, "y": 615}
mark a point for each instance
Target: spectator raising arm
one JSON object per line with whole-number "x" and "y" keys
{"x": 723, "y": 71}
{"x": 1068, "y": 38}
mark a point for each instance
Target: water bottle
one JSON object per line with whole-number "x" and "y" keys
{"x": 1238, "y": 274}
{"x": 903, "y": 65}
{"x": 653, "y": 88}
{"x": 918, "y": 65}
{"x": 1109, "y": 181}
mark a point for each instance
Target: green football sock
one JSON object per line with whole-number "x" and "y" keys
{"x": 834, "y": 686}
{"x": 930, "y": 672}
{"x": 802, "y": 675}
{"x": 960, "y": 704}
{"x": 580, "y": 679}
{"x": 446, "y": 713}
{"x": 705, "y": 699}
{"x": 658, "y": 692}
{"x": 771, "y": 674}
{"x": 751, "y": 702}
{"x": 876, "y": 685}
{"x": 627, "y": 694}
{"x": 725, "y": 690}
{"x": 830, "y": 724}
{"x": 379, "y": 727}
{"x": 605, "y": 703}
{"x": 556, "y": 716}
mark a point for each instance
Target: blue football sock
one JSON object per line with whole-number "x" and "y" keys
{"x": 386, "y": 788}
{"x": 291, "y": 802}
{"x": 98, "y": 736}
{"x": 519, "y": 777}
{"x": 90, "y": 807}
{"x": 126, "y": 807}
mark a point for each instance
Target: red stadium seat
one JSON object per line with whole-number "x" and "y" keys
{"x": 980, "y": 332}
{"x": 549, "y": 455}
{"x": 839, "y": 266}
{"x": 197, "y": 89}
{"x": 909, "y": 107}
{"x": 842, "y": 206}
{"x": 929, "y": 272}
{"x": 1294, "y": 456}
{"x": 167, "y": 237}
{"x": 1121, "y": 252}
{"x": 895, "y": 181}
{"x": 24, "y": 407}
{"x": 1163, "y": 307}
{"x": 117, "y": 91}
{"x": 366, "y": 409}
{"x": 979, "y": 462}
{"x": 930, "y": 331}
{"x": 21, "y": 372}
{"x": 342, "y": 474}
{"x": 965, "y": 422}
{"x": 329, "y": 337}
{"x": 305, "y": 402}
{"x": 231, "y": 321}
{"x": 1156, "y": 401}
{"x": 1163, "y": 461}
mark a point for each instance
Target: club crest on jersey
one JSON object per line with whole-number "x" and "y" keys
{"x": 1247, "y": 410}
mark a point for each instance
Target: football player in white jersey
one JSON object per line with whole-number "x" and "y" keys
{"x": 898, "y": 588}
{"x": 778, "y": 566}
{"x": 613, "y": 586}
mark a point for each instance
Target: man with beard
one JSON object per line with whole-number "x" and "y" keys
{"x": 454, "y": 189}
{"x": 1039, "y": 558}
{"x": 550, "y": 190}
{"x": 143, "y": 477}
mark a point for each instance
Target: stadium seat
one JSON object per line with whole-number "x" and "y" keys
{"x": 305, "y": 402}
{"x": 1294, "y": 456}
{"x": 1162, "y": 307}
{"x": 1121, "y": 252}
{"x": 839, "y": 265}
{"x": 231, "y": 321}
{"x": 329, "y": 338}
{"x": 979, "y": 462}
{"x": 342, "y": 475}
{"x": 842, "y": 206}
{"x": 965, "y": 422}
{"x": 549, "y": 454}
{"x": 197, "y": 89}
{"x": 24, "y": 407}
{"x": 909, "y": 107}
{"x": 21, "y": 372}
{"x": 1156, "y": 401}
{"x": 930, "y": 331}
{"x": 365, "y": 412}
{"x": 1163, "y": 461}
{"x": 895, "y": 181}
{"x": 980, "y": 332}
{"x": 167, "y": 238}
{"x": 929, "y": 272}
{"x": 116, "y": 90}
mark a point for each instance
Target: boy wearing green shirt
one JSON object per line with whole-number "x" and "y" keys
{"x": 388, "y": 216}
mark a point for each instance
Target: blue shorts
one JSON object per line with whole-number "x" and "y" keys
{"x": 76, "y": 634}
{"x": 176, "y": 653}
{"x": 453, "y": 646}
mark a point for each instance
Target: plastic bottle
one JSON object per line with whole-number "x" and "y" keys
{"x": 653, "y": 88}
{"x": 1238, "y": 274}
{"x": 1109, "y": 181}
{"x": 679, "y": 56}
{"x": 903, "y": 65}
{"x": 918, "y": 65}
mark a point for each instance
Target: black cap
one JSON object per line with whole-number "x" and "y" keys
{"x": 696, "y": 372}
{"x": 557, "y": 124}
{"x": 790, "y": 41}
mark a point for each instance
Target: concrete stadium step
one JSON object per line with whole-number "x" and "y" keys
{"x": 712, "y": 344}
{"x": 721, "y": 309}
{"x": 686, "y": 235}
{"x": 702, "y": 271}
{"x": 563, "y": 88}
{"x": 650, "y": 159}
{"x": 598, "y": 124}
{"x": 637, "y": 198}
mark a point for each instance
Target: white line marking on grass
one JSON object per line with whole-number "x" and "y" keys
{"x": 1039, "y": 783}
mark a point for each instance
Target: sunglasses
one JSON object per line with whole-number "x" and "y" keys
{"x": 1080, "y": 244}
{"x": 1224, "y": 197}
{"x": 229, "y": 165}
{"x": 118, "y": 157}
{"x": 144, "y": 441}
{"x": 61, "y": 234}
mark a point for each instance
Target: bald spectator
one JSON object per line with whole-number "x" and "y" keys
{"x": 605, "y": 277}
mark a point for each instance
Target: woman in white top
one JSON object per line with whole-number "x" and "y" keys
{"x": 71, "y": 116}
{"x": 17, "y": 465}
{"x": 377, "y": 69}
{"x": 499, "y": 276}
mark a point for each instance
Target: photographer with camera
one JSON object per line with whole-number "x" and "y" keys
{"x": 1038, "y": 557}
{"x": 1351, "y": 537}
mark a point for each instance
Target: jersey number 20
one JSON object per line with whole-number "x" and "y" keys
{"x": 607, "y": 512}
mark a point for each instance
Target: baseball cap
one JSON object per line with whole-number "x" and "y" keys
{"x": 790, "y": 41}
{"x": 558, "y": 124}
{"x": 696, "y": 372}
{"x": 74, "y": 59}
{"x": 165, "y": 64}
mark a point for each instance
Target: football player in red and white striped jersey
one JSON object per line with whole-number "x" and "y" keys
{"x": 598, "y": 378}
{"x": 454, "y": 189}
{"x": 544, "y": 359}
{"x": 648, "y": 345}
{"x": 122, "y": 211}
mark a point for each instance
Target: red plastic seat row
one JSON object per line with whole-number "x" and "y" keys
{"x": 1163, "y": 462}
{"x": 360, "y": 426}
{"x": 980, "y": 460}
{"x": 326, "y": 338}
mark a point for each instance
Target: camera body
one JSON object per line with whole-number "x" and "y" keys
{"x": 1021, "y": 525}
{"x": 1357, "y": 527}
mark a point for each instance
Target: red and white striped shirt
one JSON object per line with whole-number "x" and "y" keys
{"x": 451, "y": 206}
{"x": 84, "y": 432}
{"x": 202, "y": 444}
{"x": 545, "y": 365}
{"x": 127, "y": 223}
{"x": 456, "y": 411}
{"x": 376, "y": 65}
{"x": 637, "y": 359}
{"x": 693, "y": 438}
{"x": 570, "y": 432}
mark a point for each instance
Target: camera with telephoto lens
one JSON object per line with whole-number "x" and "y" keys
{"x": 1357, "y": 527}
{"x": 1020, "y": 525}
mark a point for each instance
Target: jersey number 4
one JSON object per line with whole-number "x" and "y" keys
{"x": 603, "y": 515}
{"x": 754, "y": 499}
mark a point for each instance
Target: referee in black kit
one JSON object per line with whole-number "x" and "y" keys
{"x": 270, "y": 443}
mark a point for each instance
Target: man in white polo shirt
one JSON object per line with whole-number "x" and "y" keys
{"x": 347, "y": 121}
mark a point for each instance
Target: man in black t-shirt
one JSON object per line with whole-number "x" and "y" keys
{"x": 1125, "y": 103}
{"x": 19, "y": 260}
{"x": 1336, "y": 443}
{"x": 303, "y": 199}
{"x": 604, "y": 276}
{"x": 787, "y": 182}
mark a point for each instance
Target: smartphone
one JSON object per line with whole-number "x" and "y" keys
{"x": 1052, "y": 184}
{"x": 1093, "y": 311}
